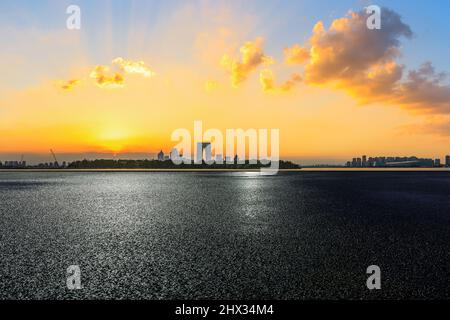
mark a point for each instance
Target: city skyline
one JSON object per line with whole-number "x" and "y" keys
{"x": 135, "y": 72}
{"x": 363, "y": 161}
{"x": 392, "y": 161}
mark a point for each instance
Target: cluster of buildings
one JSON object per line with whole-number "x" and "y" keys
{"x": 370, "y": 162}
{"x": 52, "y": 165}
{"x": 23, "y": 164}
{"x": 203, "y": 153}
{"x": 14, "y": 164}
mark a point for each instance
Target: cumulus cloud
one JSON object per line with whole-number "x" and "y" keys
{"x": 252, "y": 56}
{"x": 296, "y": 55}
{"x": 136, "y": 67}
{"x": 363, "y": 62}
{"x": 104, "y": 78}
{"x": 268, "y": 82}
{"x": 113, "y": 76}
{"x": 426, "y": 85}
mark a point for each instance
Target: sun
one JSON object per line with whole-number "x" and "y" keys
{"x": 114, "y": 139}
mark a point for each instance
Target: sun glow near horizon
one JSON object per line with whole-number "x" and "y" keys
{"x": 108, "y": 91}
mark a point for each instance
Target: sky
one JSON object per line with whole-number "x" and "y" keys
{"x": 138, "y": 70}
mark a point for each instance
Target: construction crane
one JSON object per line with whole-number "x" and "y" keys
{"x": 54, "y": 157}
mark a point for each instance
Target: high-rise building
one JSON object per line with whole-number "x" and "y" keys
{"x": 206, "y": 146}
{"x": 447, "y": 161}
{"x": 161, "y": 156}
{"x": 359, "y": 163}
{"x": 208, "y": 152}
{"x": 437, "y": 162}
{"x": 199, "y": 152}
{"x": 364, "y": 161}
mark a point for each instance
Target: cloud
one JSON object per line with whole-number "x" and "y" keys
{"x": 252, "y": 56}
{"x": 134, "y": 67}
{"x": 296, "y": 55}
{"x": 425, "y": 85}
{"x": 112, "y": 77}
{"x": 69, "y": 84}
{"x": 349, "y": 56}
{"x": 363, "y": 62}
{"x": 105, "y": 79}
{"x": 268, "y": 83}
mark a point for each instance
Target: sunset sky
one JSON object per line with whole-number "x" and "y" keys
{"x": 138, "y": 70}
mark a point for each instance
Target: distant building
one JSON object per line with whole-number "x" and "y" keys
{"x": 203, "y": 146}
{"x": 411, "y": 163}
{"x": 219, "y": 158}
{"x": 395, "y": 162}
{"x": 208, "y": 152}
{"x": 358, "y": 162}
{"x": 161, "y": 156}
{"x": 437, "y": 162}
{"x": 12, "y": 164}
{"x": 174, "y": 155}
{"x": 447, "y": 161}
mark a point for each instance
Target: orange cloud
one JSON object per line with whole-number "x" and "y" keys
{"x": 105, "y": 79}
{"x": 69, "y": 85}
{"x": 296, "y": 55}
{"x": 268, "y": 83}
{"x": 252, "y": 56}
{"x": 363, "y": 62}
{"x": 112, "y": 77}
{"x": 423, "y": 90}
{"x": 136, "y": 67}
